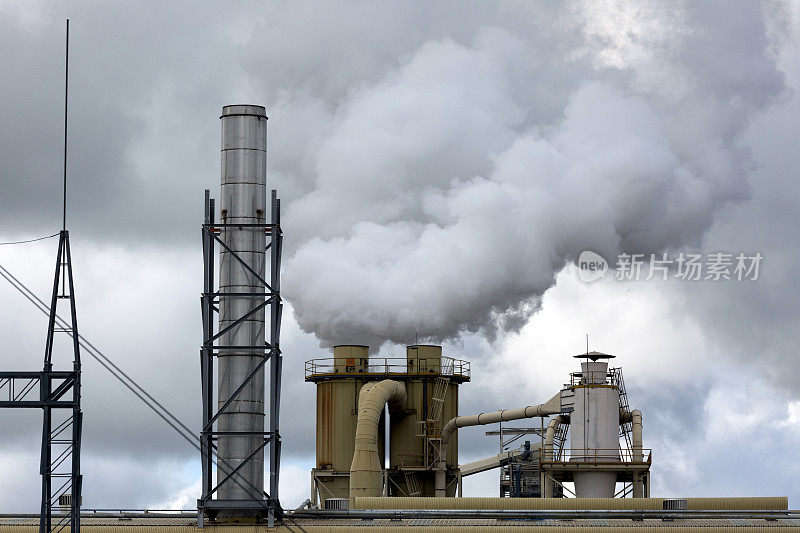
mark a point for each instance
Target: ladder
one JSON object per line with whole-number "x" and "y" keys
{"x": 625, "y": 428}
{"x": 412, "y": 483}
{"x": 433, "y": 423}
{"x": 438, "y": 394}
{"x": 559, "y": 439}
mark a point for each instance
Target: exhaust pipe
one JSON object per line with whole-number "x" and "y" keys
{"x": 244, "y": 201}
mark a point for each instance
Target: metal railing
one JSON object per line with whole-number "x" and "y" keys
{"x": 422, "y": 366}
{"x": 594, "y": 378}
{"x": 414, "y": 460}
{"x": 598, "y": 456}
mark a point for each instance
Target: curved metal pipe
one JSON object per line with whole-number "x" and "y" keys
{"x": 550, "y": 407}
{"x": 549, "y": 437}
{"x": 366, "y": 477}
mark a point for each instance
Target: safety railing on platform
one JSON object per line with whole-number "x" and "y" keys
{"x": 447, "y": 366}
{"x": 599, "y": 456}
{"x": 594, "y": 378}
{"x": 414, "y": 461}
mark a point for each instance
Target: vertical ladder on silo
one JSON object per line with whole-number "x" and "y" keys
{"x": 433, "y": 424}
{"x": 437, "y": 398}
{"x": 626, "y": 427}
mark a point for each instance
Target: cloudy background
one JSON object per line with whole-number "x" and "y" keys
{"x": 441, "y": 167}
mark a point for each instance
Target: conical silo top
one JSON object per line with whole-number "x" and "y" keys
{"x": 594, "y": 356}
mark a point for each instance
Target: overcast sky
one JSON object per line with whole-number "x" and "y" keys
{"x": 442, "y": 166}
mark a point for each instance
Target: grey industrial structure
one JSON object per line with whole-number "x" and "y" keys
{"x": 234, "y": 435}
{"x": 421, "y": 392}
{"x": 371, "y": 472}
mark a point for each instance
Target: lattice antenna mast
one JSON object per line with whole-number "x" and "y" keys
{"x": 59, "y": 391}
{"x": 62, "y": 420}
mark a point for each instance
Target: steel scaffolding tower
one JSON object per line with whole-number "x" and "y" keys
{"x": 59, "y": 396}
{"x": 267, "y": 504}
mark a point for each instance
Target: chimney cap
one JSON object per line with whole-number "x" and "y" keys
{"x": 594, "y": 356}
{"x": 350, "y": 346}
{"x": 244, "y": 109}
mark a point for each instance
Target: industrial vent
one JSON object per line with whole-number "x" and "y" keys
{"x": 674, "y": 504}
{"x": 65, "y": 500}
{"x": 341, "y": 504}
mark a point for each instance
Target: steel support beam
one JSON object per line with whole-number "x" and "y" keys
{"x": 209, "y": 504}
{"x": 58, "y": 394}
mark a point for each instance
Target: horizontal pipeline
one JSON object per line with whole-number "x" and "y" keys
{"x": 540, "y": 513}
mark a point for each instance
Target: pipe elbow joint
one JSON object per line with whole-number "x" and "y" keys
{"x": 365, "y": 470}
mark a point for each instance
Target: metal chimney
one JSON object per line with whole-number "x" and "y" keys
{"x": 239, "y": 356}
{"x": 243, "y": 200}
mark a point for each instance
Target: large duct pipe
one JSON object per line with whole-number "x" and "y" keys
{"x": 549, "y": 438}
{"x": 366, "y": 477}
{"x": 550, "y": 407}
{"x": 243, "y": 200}
{"x": 638, "y": 455}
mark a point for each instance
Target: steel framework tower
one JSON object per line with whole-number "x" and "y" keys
{"x": 236, "y": 353}
{"x": 59, "y": 396}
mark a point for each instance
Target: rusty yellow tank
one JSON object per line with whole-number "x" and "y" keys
{"x": 431, "y": 383}
{"x": 432, "y": 391}
{"x": 339, "y": 380}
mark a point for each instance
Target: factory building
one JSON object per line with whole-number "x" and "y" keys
{"x": 419, "y": 394}
{"x": 354, "y": 394}
{"x": 387, "y": 428}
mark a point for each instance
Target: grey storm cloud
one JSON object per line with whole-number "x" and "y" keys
{"x": 447, "y": 196}
{"x": 434, "y": 181}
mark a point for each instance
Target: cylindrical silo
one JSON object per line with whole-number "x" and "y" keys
{"x": 432, "y": 399}
{"x": 243, "y": 201}
{"x": 594, "y": 429}
{"x": 337, "y": 416}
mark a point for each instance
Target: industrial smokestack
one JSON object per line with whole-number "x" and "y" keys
{"x": 244, "y": 201}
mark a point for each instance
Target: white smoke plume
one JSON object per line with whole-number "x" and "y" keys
{"x": 449, "y": 194}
